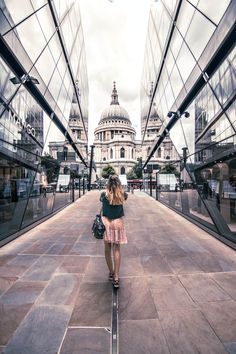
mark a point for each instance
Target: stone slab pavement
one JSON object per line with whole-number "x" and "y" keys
{"x": 177, "y": 293}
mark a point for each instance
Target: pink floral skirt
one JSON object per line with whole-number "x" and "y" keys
{"x": 115, "y": 230}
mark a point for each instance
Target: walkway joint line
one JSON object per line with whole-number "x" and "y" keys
{"x": 114, "y": 323}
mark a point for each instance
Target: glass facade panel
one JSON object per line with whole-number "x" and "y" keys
{"x": 7, "y": 88}
{"x": 223, "y": 81}
{"x": 45, "y": 71}
{"x": 212, "y": 11}
{"x": 61, "y": 101}
{"x": 231, "y": 114}
{"x": 14, "y": 43}
{"x": 32, "y": 50}
{"x": 46, "y": 22}
{"x": 222, "y": 129}
{"x": 201, "y": 123}
{"x": 39, "y": 3}
{"x": 19, "y": 10}
{"x": 176, "y": 43}
{"x": 185, "y": 62}
{"x": 5, "y": 24}
{"x": 62, "y": 7}
{"x": 171, "y": 6}
{"x": 185, "y": 17}
{"x": 67, "y": 33}
{"x": 67, "y": 107}
{"x": 176, "y": 81}
{"x": 198, "y": 43}
{"x": 164, "y": 24}
{"x": 55, "y": 84}
{"x": 39, "y": 167}
{"x": 170, "y": 62}
{"x": 56, "y": 52}
{"x": 169, "y": 94}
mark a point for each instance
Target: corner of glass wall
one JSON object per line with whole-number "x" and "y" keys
{"x": 40, "y": 171}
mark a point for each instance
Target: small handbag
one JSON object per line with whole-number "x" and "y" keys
{"x": 98, "y": 227}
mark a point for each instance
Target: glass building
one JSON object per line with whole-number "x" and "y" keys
{"x": 190, "y": 57}
{"x": 43, "y": 110}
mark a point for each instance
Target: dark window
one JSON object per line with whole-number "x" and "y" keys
{"x": 122, "y": 152}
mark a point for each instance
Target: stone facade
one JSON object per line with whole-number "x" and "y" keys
{"x": 115, "y": 141}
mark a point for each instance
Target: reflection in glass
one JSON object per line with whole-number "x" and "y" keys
{"x": 212, "y": 11}
{"x": 26, "y": 37}
{"x": 39, "y": 169}
{"x": 55, "y": 84}
{"x": 176, "y": 82}
{"x": 217, "y": 185}
{"x": 205, "y": 179}
{"x": 197, "y": 43}
{"x": 46, "y": 22}
{"x": 19, "y": 9}
{"x": 45, "y": 70}
{"x": 185, "y": 62}
{"x": 185, "y": 17}
{"x": 15, "y": 188}
{"x": 7, "y": 88}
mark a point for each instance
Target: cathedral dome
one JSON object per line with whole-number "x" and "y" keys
{"x": 153, "y": 113}
{"x": 114, "y": 111}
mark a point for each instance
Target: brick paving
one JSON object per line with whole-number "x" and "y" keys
{"x": 177, "y": 293}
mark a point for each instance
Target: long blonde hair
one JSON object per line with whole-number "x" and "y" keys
{"x": 115, "y": 192}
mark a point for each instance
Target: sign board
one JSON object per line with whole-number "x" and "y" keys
{"x": 123, "y": 180}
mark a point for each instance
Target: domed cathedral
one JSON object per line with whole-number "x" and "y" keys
{"x": 152, "y": 132}
{"x": 62, "y": 150}
{"x": 76, "y": 123}
{"x": 114, "y": 142}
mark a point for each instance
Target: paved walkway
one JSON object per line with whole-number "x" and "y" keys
{"x": 177, "y": 294}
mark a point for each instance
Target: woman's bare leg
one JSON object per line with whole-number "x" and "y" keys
{"x": 108, "y": 256}
{"x": 117, "y": 257}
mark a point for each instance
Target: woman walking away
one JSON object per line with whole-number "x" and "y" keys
{"x": 112, "y": 217}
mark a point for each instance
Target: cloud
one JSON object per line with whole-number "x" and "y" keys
{"x": 115, "y": 34}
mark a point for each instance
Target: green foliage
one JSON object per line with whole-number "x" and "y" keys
{"x": 135, "y": 172}
{"x": 107, "y": 171}
{"x": 131, "y": 174}
{"x": 168, "y": 169}
{"x": 51, "y": 167}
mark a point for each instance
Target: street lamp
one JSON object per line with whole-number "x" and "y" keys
{"x": 178, "y": 114}
{"x": 23, "y": 79}
{"x": 65, "y": 152}
{"x": 90, "y": 167}
{"x": 184, "y": 155}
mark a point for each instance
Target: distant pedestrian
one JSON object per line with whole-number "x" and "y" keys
{"x": 44, "y": 192}
{"x": 112, "y": 217}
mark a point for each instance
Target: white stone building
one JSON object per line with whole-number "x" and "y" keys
{"x": 115, "y": 141}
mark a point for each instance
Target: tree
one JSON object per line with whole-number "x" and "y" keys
{"x": 136, "y": 171}
{"x": 51, "y": 167}
{"x": 108, "y": 171}
{"x": 170, "y": 169}
{"x": 131, "y": 174}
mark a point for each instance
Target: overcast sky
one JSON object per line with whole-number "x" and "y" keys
{"x": 114, "y": 33}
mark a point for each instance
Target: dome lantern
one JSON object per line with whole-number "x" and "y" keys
{"x": 114, "y": 95}
{"x": 114, "y": 111}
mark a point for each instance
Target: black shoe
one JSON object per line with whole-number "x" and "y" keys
{"x": 116, "y": 283}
